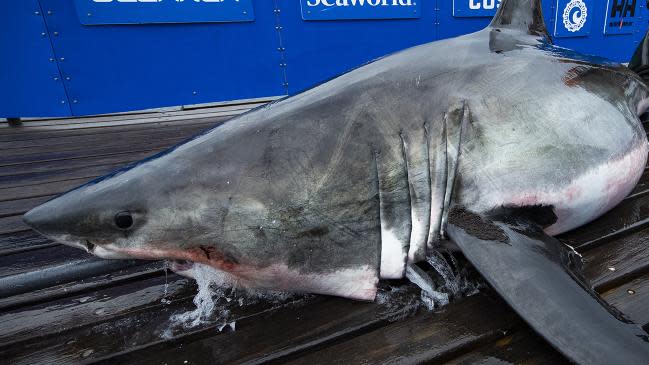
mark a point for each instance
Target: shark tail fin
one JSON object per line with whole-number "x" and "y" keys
{"x": 525, "y": 15}
{"x": 640, "y": 61}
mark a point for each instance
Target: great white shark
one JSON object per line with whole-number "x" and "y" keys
{"x": 496, "y": 140}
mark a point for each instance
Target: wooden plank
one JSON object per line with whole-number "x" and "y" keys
{"x": 33, "y": 136}
{"x": 92, "y": 151}
{"x": 287, "y": 330}
{"x": 80, "y": 142}
{"x": 12, "y": 224}
{"x": 19, "y": 207}
{"x": 143, "y": 112}
{"x": 27, "y": 179}
{"x": 31, "y": 191}
{"x": 632, "y": 299}
{"x": 66, "y": 272}
{"x": 137, "y": 118}
{"x": 618, "y": 261}
{"x": 323, "y": 310}
{"x": 425, "y": 337}
{"x": 90, "y": 284}
{"x": 523, "y": 346}
{"x": 72, "y": 312}
{"x": 19, "y": 241}
{"x": 124, "y": 326}
{"x": 40, "y": 259}
{"x": 78, "y": 162}
{"x": 147, "y": 121}
{"x": 27, "y": 184}
{"x": 262, "y": 100}
{"x": 102, "y": 320}
{"x": 27, "y": 247}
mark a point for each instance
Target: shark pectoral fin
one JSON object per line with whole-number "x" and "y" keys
{"x": 525, "y": 266}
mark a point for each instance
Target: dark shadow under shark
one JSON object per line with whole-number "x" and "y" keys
{"x": 496, "y": 140}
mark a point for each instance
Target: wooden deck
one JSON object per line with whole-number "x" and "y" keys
{"x": 117, "y": 311}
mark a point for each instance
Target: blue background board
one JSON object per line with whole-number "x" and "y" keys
{"x": 621, "y": 16}
{"x": 360, "y": 9}
{"x": 573, "y": 18}
{"x": 317, "y": 51}
{"x": 111, "y": 68}
{"x": 28, "y": 71}
{"x": 128, "y": 67}
{"x": 166, "y": 11}
{"x": 475, "y": 8}
{"x": 618, "y": 47}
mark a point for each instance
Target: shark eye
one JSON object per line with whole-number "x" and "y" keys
{"x": 123, "y": 220}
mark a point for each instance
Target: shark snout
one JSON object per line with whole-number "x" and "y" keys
{"x": 59, "y": 222}
{"x": 48, "y": 223}
{"x": 40, "y": 219}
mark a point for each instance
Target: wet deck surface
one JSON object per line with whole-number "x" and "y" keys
{"x": 59, "y": 305}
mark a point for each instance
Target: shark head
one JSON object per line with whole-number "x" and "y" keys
{"x": 233, "y": 202}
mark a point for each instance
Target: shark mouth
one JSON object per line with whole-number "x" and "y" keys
{"x": 353, "y": 282}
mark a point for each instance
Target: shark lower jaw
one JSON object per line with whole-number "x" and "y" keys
{"x": 356, "y": 282}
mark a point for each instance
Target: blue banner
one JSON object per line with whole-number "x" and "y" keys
{"x": 91, "y": 12}
{"x": 621, "y": 16}
{"x": 359, "y": 9}
{"x": 475, "y": 8}
{"x": 573, "y": 18}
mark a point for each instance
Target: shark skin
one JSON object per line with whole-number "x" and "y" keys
{"x": 352, "y": 181}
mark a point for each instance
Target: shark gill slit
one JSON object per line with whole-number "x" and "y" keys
{"x": 378, "y": 193}
{"x": 415, "y": 148}
{"x": 377, "y": 186}
{"x": 395, "y": 210}
{"x": 437, "y": 159}
{"x": 409, "y": 182}
{"x": 452, "y": 163}
{"x": 431, "y": 191}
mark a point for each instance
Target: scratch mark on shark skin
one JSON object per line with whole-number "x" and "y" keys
{"x": 337, "y": 155}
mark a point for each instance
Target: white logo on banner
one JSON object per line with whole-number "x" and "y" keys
{"x": 484, "y": 4}
{"x": 329, "y": 3}
{"x": 574, "y": 15}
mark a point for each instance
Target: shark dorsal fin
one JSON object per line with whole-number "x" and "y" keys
{"x": 525, "y": 15}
